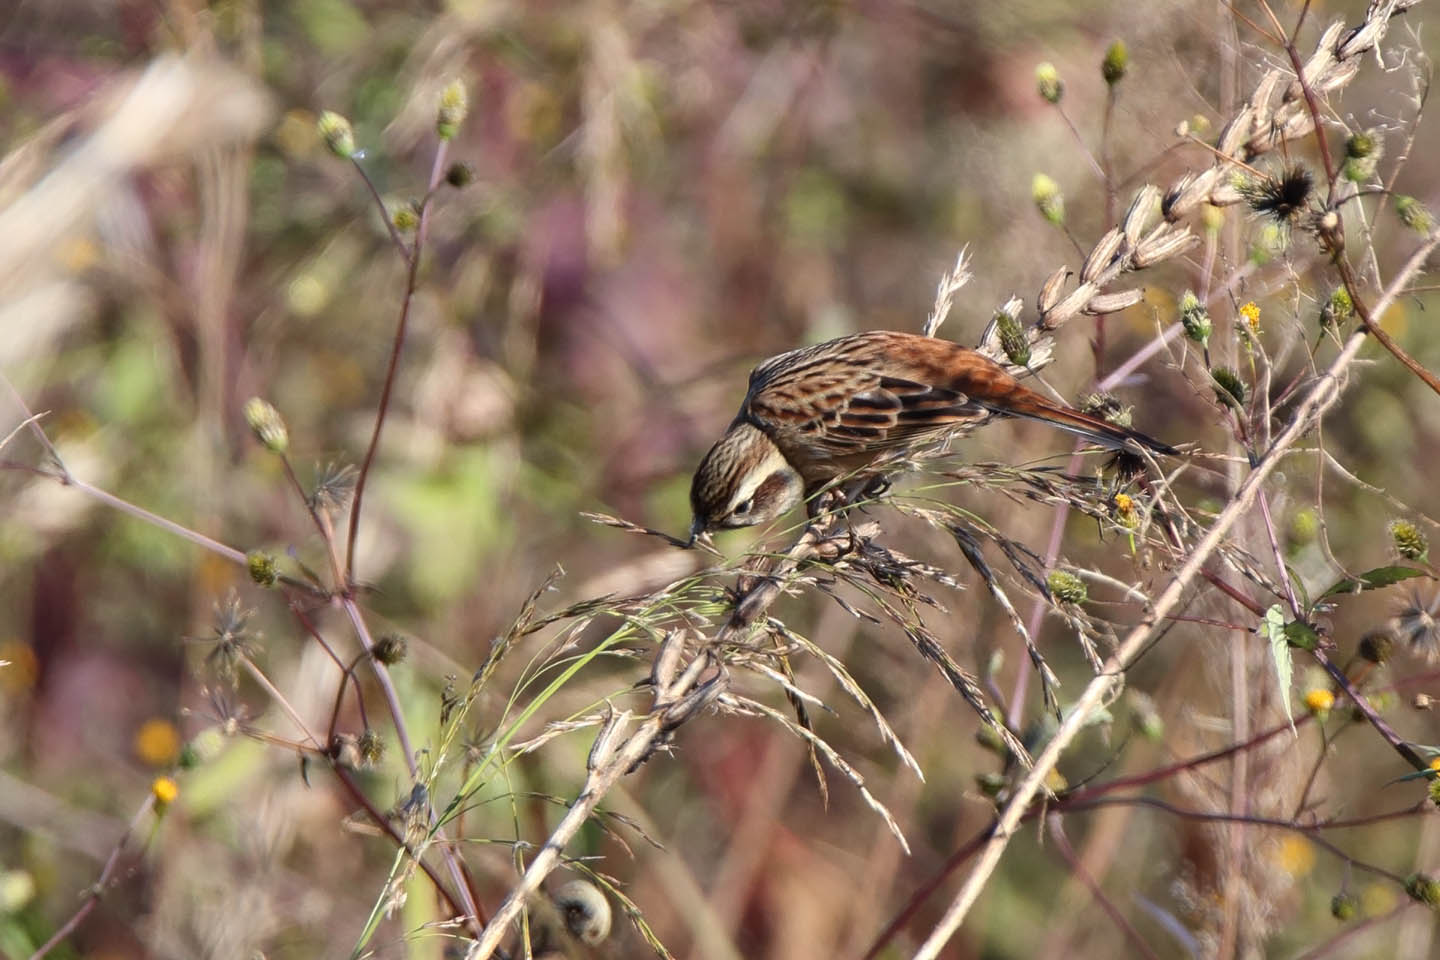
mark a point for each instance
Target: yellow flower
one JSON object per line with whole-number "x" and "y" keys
{"x": 1251, "y": 313}
{"x": 1295, "y": 855}
{"x": 157, "y": 743}
{"x": 1435, "y": 764}
{"x": 165, "y": 791}
{"x": 1319, "y": 700}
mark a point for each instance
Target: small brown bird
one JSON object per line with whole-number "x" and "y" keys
{"x": 846, "y": 407}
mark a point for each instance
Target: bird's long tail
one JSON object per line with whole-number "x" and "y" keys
{"x": 1032, "y": 406}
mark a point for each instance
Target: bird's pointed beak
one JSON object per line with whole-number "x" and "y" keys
{"x": 697, "y": 527}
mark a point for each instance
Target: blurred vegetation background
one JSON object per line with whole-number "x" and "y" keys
{"x": 662, "y": 193}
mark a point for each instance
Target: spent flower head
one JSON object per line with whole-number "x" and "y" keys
{"x": 1415, "y": 623}
{"x": 1281, "y": 197}
{"x": 232, "y": 637}
{"x": 334, "y": 483}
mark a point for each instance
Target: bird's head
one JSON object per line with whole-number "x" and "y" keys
{"x": 743, "y": 480}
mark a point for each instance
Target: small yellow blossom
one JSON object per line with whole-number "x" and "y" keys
{"x": 1251, "y": 313}
{"x": 157, "y": 743}
{"x": 1295, "y": 855}
{"x": 165, "y": 791}
{"x": 1319, "y": 700}
{"x": 1125, "y": 510}
{"x": 1435, "y": 764}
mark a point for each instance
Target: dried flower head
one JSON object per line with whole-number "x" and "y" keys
{"x": 459, "y": 175}
{"x": 1282, "y": 197}
{"x": 1344, "y": 906}
{"x": 1408, "y": 539}
{"x": 1376, "y": 646}
{"x": 391, "y": 648}
{"x": 267, "y": 424}
{"x": 370, "y": 747}
{"x": 1108, "y": 407}
{"x": 1012, "y": 338}
{"x": 1048, "y": 198}
{"x": 334, "y": 483}
{"x": 233, "y": 640}
{"x": 1065, "y": 587}
{"x": 1048, "y": 82}
{"x": 1415, "y": 623}
{"x": 262, "y": 567}
{"x": 1195, "y": 319}
{"x": 1116, "y": 62}
{"x": 335, "y": 130}
{"x": 454, "y": 105}
{"x": 1413, "y": 214}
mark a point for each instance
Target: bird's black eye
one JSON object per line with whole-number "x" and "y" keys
{"x": 741, "y": 508}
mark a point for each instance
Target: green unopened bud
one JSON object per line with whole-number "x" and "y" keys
{"x": 336, "y": 132}
{"x": 1066, "y": 587}
{"x": 1408, "y": 539}
{"x": 1423, "y": 888}
{"x": 1048, "y": 82}
{"x": 1362, "y": 153}
{"x": 262, "y": 567}
{"x": 1195, "y": 319}
{"x": 1362, "y": 145}
{"x": 1116, "y": 62}
{"x": 1337, "y": 309}
{"x": 1229, "y": 388}
{"x": 1413, "y": 214}
{"x": 1344, "y": 906}
{"x": 391, "y": 649}
{"x": 454, "y": 105}
{"x": 268, "y": 425}
{"x": 1012, "y": 338}
{"x": 1432, "y": 791}
{"x": 1048, "y": 198}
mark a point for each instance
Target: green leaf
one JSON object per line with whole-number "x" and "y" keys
{"x": 1300, "y": 634}
{"x": 1274, "y": 629}
{"x": 1373, "y": 580}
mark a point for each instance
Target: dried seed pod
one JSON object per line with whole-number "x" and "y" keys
{"x": 1050, "y": 292}
{"x": 605, "y": 741}
{"x": 1137, "y": 218}
{"x": 1100, "y": 257}
{"x": 1114, "y": 302}
{"x": 1164, "y": 243}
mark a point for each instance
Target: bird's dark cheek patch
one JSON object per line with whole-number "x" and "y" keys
{"x": 770, "y": 489}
